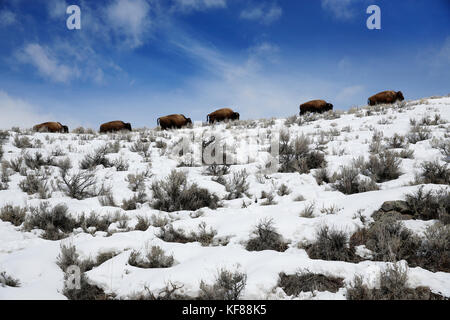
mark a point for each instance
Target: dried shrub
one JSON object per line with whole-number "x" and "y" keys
{"x": 228, "y": 286}
{"x": 97, "y": 158}
{"x": 308, "y": 282}
{"x": 392, "y": 286}
{"x": 348, "y": 181}
{"x": 296, "y": 155}
{"x": 434, "y": 172}
{"x": 174, "y": 194}
{"x": 429, "y": 205}
{"x": 153, "y": 258}
{"x": 14, "y": 214}
{"x": 266, "y": 238}
{"x": 331, "y": 245}
{"x": 56, "y": 222}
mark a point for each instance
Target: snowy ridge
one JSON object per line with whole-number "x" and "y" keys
{"x": 32, "y": 260}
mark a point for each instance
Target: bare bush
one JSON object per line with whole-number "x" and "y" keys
{"x": 390, "y": 241}
{"x": 434, "y": 251}
{"x": 283, "y": 190}
{"x": 296, "y": 155}
{"x": 136, "y": 182}
{"x": 238, "y": 186}
{"x": 429, "y": 205}
{"x": 217, "y": 170}
{"x": 418, "y": 133}
{"x": 383, "y": 167}
{"x": 267, "y": 238}
{"x": 174, "y": 194}
{"x": 322, "y": 176}
{"x": 205, "y": 237}
{"x": 36, "y": 161}
{"x": 36, "y": 183}
{"x": 97, "y": 158}
{"x": 132, "y": 203}
{"x": 143, "y": 223}
{"x": 56, "y": 222}
{"x": 154, "y": 257}
{"x": 331, "y": 245}
{"x": 308, "y": 211}
{"x": 348, "y": 181}
{"x": 8, "y": 281}
{"x": 396, "y": 141}
{"x": 308, "y": 282}
{"x": 80, "y": 185}
{"x": 86, "y": 291}
{"x": 434, "y": 172}
{"x": 14, "y": 214}
{"x": 121, "y": 164}
{"x": 22, "y": 142}
{"x": 228, "y": 286}
{"x": 392, "y": 286}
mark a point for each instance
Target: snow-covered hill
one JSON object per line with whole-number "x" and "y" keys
{"x": 366, "y": 144}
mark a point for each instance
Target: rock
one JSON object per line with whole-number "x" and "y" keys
{"x": 380, "y": 213}
{"x": 398, "y": 205}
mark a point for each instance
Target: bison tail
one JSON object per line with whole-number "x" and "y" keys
{"x": 157, "y": 121}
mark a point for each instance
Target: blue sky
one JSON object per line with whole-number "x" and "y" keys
{"x": 136, "y": 60}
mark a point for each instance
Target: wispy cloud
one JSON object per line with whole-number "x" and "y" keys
{"x": 340, "y": 9}
{"x": 198, "y": 5}
{"x": 46, "y": 63}
{"x": 56, "y": 8}
{"x": 130, "y": 19}
{"x": 265, "y": 13}
{"x": 348, "y": 94}
{"x": 18, "y": 113}
{"x": 7, "y": 18}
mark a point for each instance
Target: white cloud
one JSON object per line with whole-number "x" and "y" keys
{"x": 129, "y": 18}
{"x": 18, "y": 113}
{"x": 444, "y": 53}
{"x": 341, "y": 9}
{"x": 7, "y": 18}
{"x": 346, "y": 95}
{"x": 199, "y": 5}
{"x": 47, "y": 63}
{"x": 57, "y": 8}
{"x": 264, "y": 13}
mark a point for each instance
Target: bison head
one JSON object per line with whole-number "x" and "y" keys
{"x": 328, "y": 107}
{"x": 128, "y": 126}
{"x": 235, "y": 116}
{"x": 188, "y": 121}
{"x": 400, "y": 96}
{"x": 65, "y": 129}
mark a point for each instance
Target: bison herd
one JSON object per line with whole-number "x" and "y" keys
{"x": 177, "y": 121}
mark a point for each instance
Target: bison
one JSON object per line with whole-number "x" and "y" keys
{"x": 115, "y": 126}
{"x": 51, "y": 127}
{"x": 173, "y": 121}
{"x": 317, "y": 106}
{"x": 222, "y": 115}
{"x": 386, "y": 97}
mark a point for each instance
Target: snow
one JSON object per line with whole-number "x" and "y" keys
{"x": 32, "y": 260}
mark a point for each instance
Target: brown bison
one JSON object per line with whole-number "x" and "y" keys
{"x": 222, "y": 115}
{"x": 173, "y": 121}
{"x": 115, "y": 126}
{"x": 317, "y": 106}
{"x": 51, "y": 127}
{"x": 386, "y": 97}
